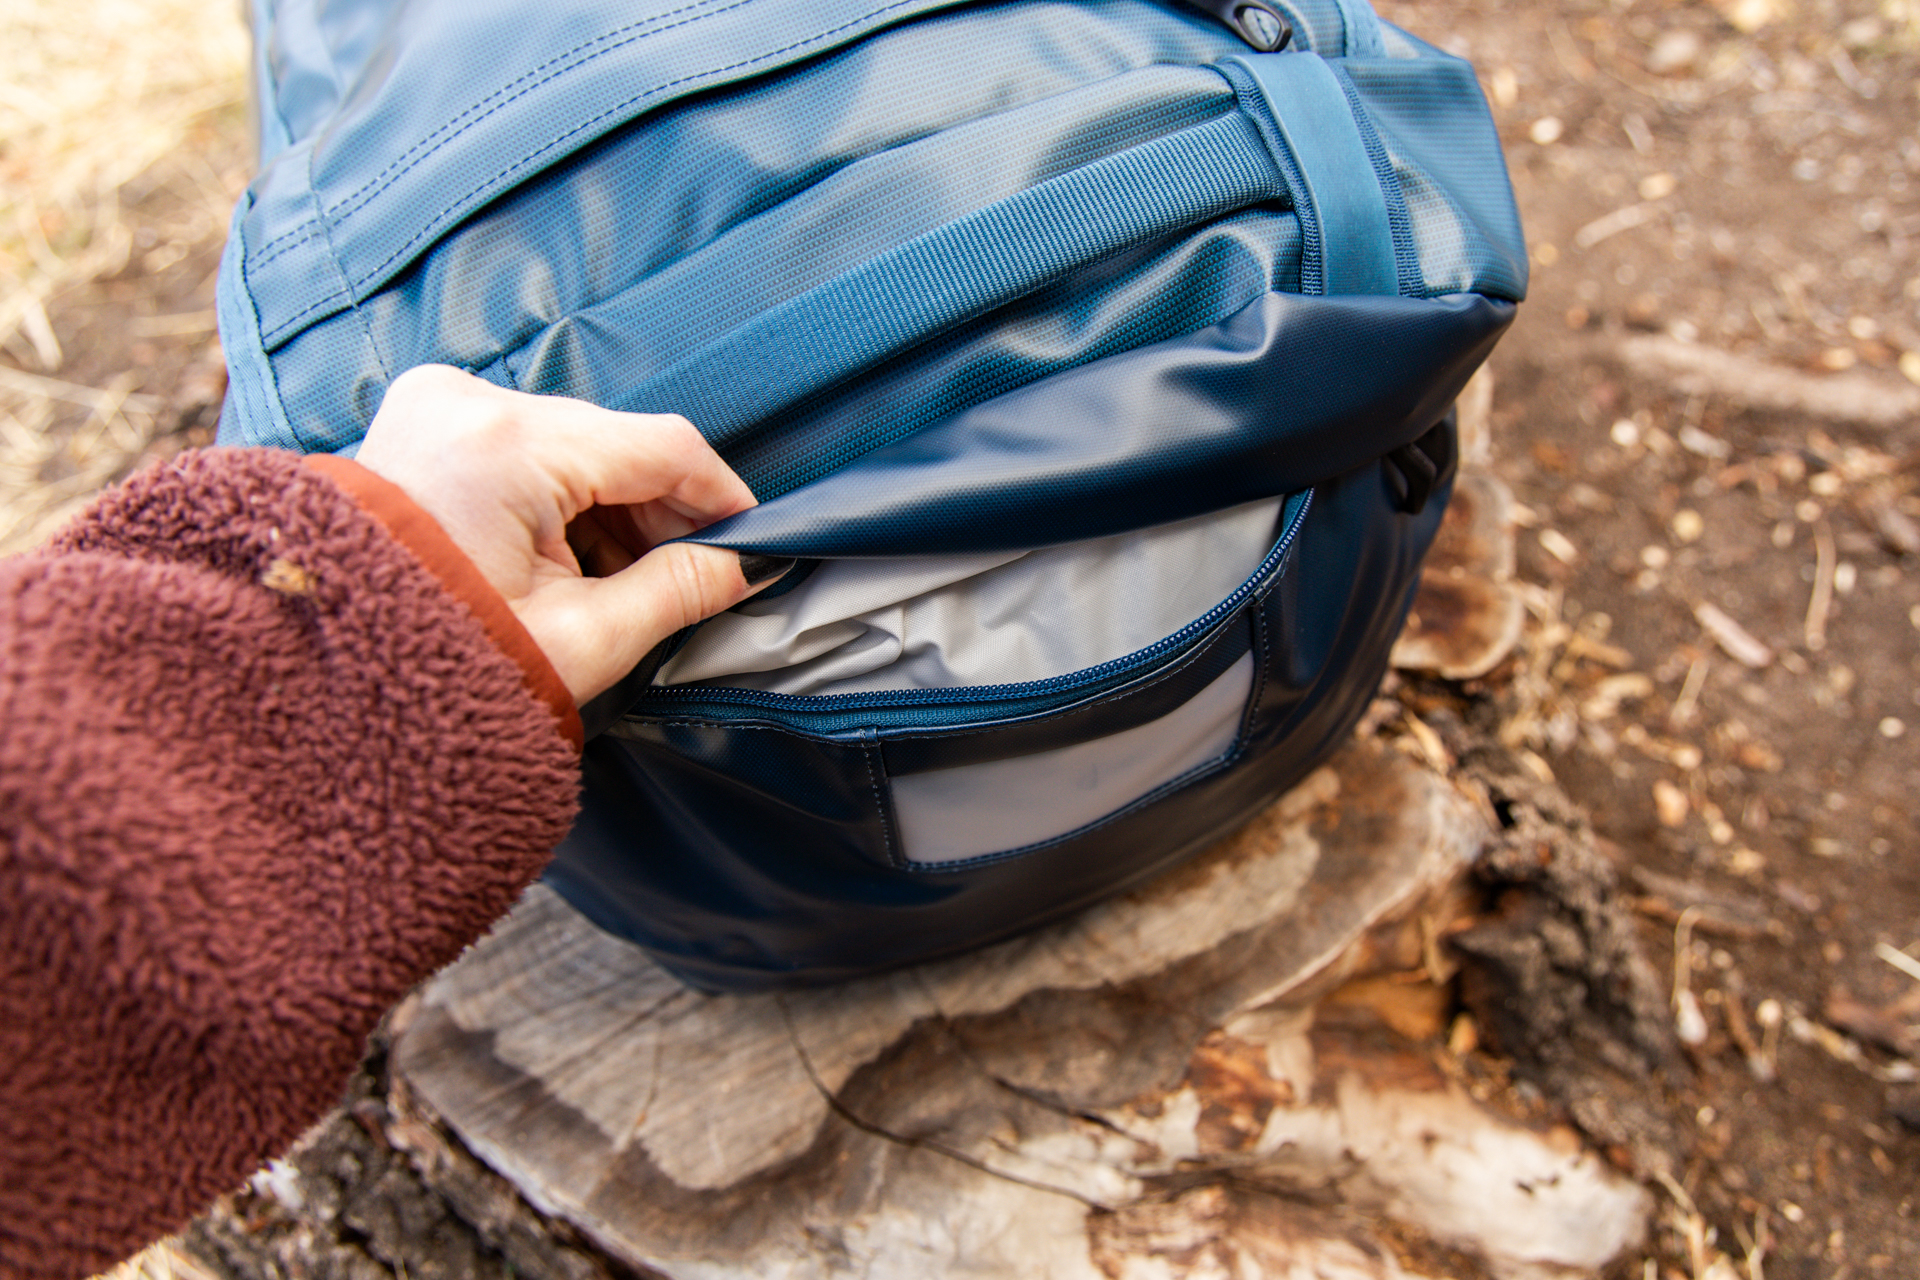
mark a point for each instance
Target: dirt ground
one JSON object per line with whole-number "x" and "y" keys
{"x": 1703, "y": 409}
{"x": 1710, "y": 414}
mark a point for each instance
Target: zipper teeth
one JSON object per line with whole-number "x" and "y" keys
{"x": 890, "y": 699}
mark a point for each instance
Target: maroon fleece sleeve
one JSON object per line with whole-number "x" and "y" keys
{"x": 260, "y": 772}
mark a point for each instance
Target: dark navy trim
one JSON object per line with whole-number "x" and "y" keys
{"x": 1281, "y": 395}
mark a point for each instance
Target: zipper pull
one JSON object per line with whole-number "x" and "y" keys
{"x": 1259, "y": 22}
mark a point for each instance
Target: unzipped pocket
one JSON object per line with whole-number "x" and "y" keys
{"x": 1132, "y": 659}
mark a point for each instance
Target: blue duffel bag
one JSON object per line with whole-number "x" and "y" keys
{"x": 1095, "y": 359}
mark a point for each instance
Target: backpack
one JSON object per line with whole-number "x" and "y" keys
{"x": 1095, "y": 360}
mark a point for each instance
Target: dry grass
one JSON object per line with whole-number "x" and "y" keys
{"x": 93, "y": 94}
{"x": 163, "y": 1261}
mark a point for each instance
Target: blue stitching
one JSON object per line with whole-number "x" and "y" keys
{"x": 1254, "y": 106}
{"x": 407, "y": 160}
{"x": 401, "y": 161}
{"x": 1406, "y": 257}
{"x": 353, "y": 304}
{"x": 432, "y": 227}
{"x": 342, "y": 211}
{"x": 312, "y": 232}
{"x": 343, "y": 297}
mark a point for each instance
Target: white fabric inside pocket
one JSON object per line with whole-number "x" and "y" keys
{"x": 939, "y": 622}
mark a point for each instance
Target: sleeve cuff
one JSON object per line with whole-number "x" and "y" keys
{"x": 421, "y": 534}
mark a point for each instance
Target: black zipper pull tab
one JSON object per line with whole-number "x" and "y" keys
{"x": 1258, "y": 22}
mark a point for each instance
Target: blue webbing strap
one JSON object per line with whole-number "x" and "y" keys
{"x": 1363, "y": 35}
{"x": 1313, "y": 119}
{"x": 985, "y": 259}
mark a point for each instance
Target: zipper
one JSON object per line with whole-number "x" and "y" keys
{"x": 845, "y": 715}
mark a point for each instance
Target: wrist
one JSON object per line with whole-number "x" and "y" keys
{"x": 415, "y": 529}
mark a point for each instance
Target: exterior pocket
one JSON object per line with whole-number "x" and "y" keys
{"x": 978, "y": 771}
{"x": 1003, "y": 808}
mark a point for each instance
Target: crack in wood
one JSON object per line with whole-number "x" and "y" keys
{"x": 846, "y": 1113}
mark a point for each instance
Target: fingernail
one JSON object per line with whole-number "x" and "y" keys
{"x": 757, "y": 569}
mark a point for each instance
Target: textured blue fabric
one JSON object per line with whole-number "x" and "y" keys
{"x": 412, "y": 140}
{"x": 253, "y": 403}
{"x": 1333, "y": 28}
{"x": 936, "y": 277}
{"x": 400, "y": 142}
{"x": 1441, "y": 140}
{"x": 1286, "y": 392}
{"x": 572, "y": 280}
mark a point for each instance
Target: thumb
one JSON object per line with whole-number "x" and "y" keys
{"x": 596, "y": 630}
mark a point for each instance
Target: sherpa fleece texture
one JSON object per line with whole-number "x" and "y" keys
{"x": 260, "y": 772}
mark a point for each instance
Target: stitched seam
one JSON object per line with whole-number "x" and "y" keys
{"x": 1254, "y": 105}
{"x": 333, "y": 259}
{"x": 498, "y": 180}
{"x": 1261, "y": 636}
{"x": 286, "y": 326}
{"x": 611, "y": 40}
{"x": 431, "y": 228}
{"x": 306, "y": 233}
{"x": 896, "y": 856}
{"x": 405, "y": 159}
{"x": 353, "y": 304}
{"x": 1406, "y": 258}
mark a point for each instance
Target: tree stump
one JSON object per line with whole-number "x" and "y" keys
{"x": 1196, "y": 1079}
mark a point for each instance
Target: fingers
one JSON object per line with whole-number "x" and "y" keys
{"x": 442, "y": 428}
{"x": 604, "y": 541}
{"x": 597, "y": 630}
{"x": 535, "y": 489}
{"x": 656, "y": 463}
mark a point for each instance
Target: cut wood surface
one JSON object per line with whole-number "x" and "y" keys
{"x": 1146, "y": 1090}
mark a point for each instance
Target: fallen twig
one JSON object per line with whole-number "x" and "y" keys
{"x": 1820, "y": 604}
{"x": 1690, "y": 1024}
{"x": 1870, "y": 398}
{"x": 102, "y": 401}
{"x": 1739, "y": 643}
{"x": 1612, "y": 224}
{"x": 1898, "y": 959}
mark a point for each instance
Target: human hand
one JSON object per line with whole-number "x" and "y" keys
{"x": 534, "y": 489}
